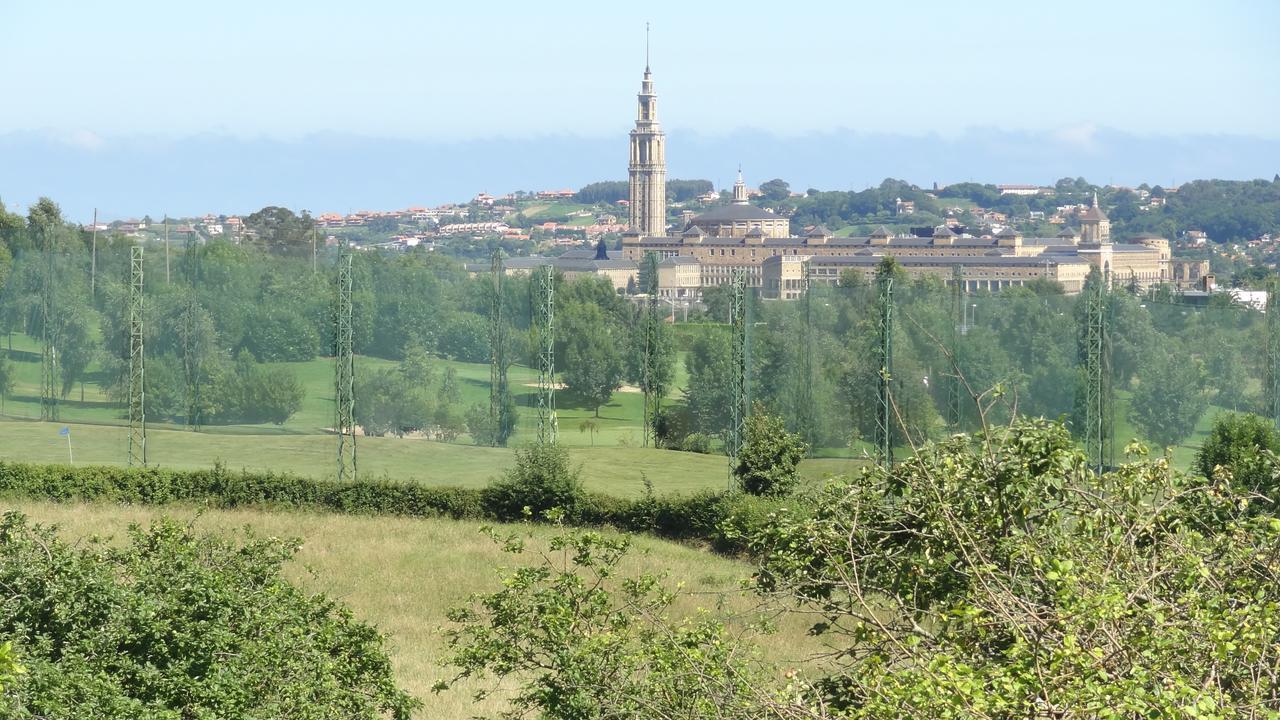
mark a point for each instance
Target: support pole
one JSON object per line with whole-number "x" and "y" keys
{"x": 137, "y": 364}
{"x": 49, "y": 375}
{"x": 93, "y": 259}
{"x": 544, "y": 348}
{"x": 344, "y": 371}
{"x": 739, "y": 360}
{"x": 1096, "y": 412}
{"x": 649, "y": 327}
{"x": 956, "y": 392}
{"x": 1272, "y": 387}
{"x": 499, "y": 391}
{"x": 884, "y": 352}
{"x": 806, "y": 423}
{"x": 192, "y": 352}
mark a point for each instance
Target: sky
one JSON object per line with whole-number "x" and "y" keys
{"x": 137, "y": 73}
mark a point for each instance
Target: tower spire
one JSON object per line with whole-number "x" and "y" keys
{"x": 648, "y": 167}
{"x": 646, "y": 47}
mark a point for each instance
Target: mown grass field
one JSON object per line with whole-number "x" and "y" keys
{"x": 403, "y": 574}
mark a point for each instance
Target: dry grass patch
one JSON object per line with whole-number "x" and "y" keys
{"x": 403, "y": 574}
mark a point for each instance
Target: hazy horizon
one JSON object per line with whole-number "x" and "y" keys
{"x": 145, "y": 107}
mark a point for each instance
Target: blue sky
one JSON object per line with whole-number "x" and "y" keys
{"x": 139, "y": 106}
{"x": 87, "y": 71}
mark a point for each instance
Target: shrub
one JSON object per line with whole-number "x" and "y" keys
{"x": 179, "y": 625}
{"x": 769, "y": 461}
{"x": 541, "y": 479}
{"x": 696, "y": 443}
{"x": 1240, "y": 443}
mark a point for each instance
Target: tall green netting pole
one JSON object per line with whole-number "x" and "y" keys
{"x": 884, "y": 352}
{"x": 137, "y": 364}
{"x": 192, "y": 363}
{"x": 344, "y": 370}
{"x": 739, "y": 359}
{"x": 499, "y": 391}
{"x": 649, "y": 328}
{"x": 956, "y": 395}
{"x": 1272, "y": 388}
{"x": 1095, "y": 374}
{"x": 805, "y": 412}
{"x": 49, "y": 381}
{"x": 544, "y": 329}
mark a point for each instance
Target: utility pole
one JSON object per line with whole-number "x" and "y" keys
{"x": 344, "y": 370}
{"x": 958, "y": 303}
{"x": 1272, "y": 387}
{"x": 137, "y": 364}
{"x": 884, "y": 352}
{"x": 739, "y": 362}
{"x": 805, "y": 415}
{"x": 543, "y": 310}
{"x": 166, "y": 249}
{"x": 649, "y": 327}
{"x": 192, "y": 359}
{"x": 499, "y": 410}
{"x": 49, "y": 376}
{"x": 1096, "y": 400}
{"x": 93, "y": 259}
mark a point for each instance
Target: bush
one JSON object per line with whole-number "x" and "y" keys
{"x": 769, "y": 461}
{"x": 696, "y": 443}
{"x": 714, "y": 517}
{"x": 1240, "y": 443}
{"x": 178, "y": 625}
{"x": 541, "y": 479}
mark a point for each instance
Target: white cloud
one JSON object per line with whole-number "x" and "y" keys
{"x": 1080, "y": 137}
{"x": 83, "y": 139}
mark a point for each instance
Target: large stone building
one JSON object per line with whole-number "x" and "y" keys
{"x": 741, "y": 236}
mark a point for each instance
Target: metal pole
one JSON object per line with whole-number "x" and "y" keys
{"x": 544, "y": 329}
{"x": 958, "y": 316}
{"x": 1272, "y": 388}
{"x": 137, "y": 363}
{"x": 93, "y": 261}
{"x": 739, "y": 359}
{"x": 884, "y": 406}
{"x": 1095, "y": 407}
{"x": 499, "y": 391}
{"x": 344, "y": 371}
{"x": 166, "y": 249}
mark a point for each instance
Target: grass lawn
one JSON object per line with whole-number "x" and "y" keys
{"x": 403, "y": 574}
{"x": 614, "y": 470}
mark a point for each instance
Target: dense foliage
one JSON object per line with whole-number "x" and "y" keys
{"x": 769, "y": 461}
{"x": 174, "y": 624}
{"x": 989, "y": 575}
{"x": 1245, "y": 446}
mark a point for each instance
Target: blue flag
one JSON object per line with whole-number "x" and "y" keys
{"x": 65, "y": 431}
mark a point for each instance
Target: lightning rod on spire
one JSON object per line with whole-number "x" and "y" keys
{"x": 646, "y": 47}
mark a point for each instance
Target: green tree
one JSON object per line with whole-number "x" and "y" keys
{"x": 173, "y": 624}
{"x": 585, "y": 637}
{"x": 1170, "y": 397}
{"x": 593, "y": 366}
{"x": 769, "y": 463}
{"x": 776, "y": 190}
{"x": 1246, "y": 446}
{"x": 996, "y": 571}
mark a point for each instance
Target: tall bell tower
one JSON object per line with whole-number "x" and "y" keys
{"x": 647, "y": 171}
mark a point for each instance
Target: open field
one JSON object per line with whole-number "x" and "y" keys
{"x": 403, "y": 575}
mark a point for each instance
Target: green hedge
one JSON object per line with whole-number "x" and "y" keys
{"x": 700, "y": 516}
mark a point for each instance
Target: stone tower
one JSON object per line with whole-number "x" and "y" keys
{"x": 647, "y": 171}
{"x": 1095, "y": 227}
